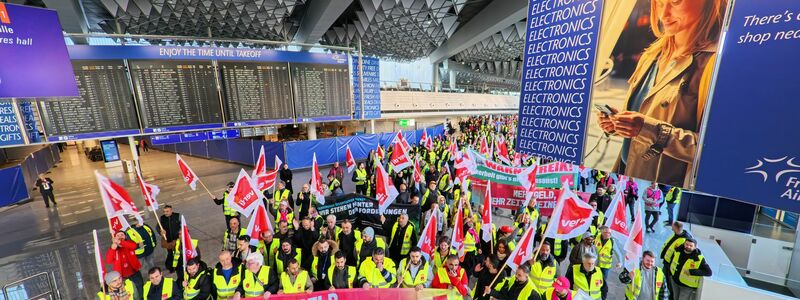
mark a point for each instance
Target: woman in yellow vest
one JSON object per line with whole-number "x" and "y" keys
{"x": 587, "y": 278}
{"x": 159, "y": 287}
{"x": 441, "y": 253}
{"x": 294, "y": 280}
{"x": 117, "y": 288}
{"x": 259, "y": 280}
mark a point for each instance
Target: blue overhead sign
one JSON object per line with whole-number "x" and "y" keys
{"x": 558, "y": 66}
{"x": 751, "y": 146}
{"x": 371, "y": 79}
{"x": 80, "y": 52}
{"x": 197, "y": 136}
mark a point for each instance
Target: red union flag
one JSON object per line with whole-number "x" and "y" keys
{"x": 379, "y": 152}
{"x": 264, "y": 179}
{"x": 98, "y": 260}
{"x": 633, "y": 247}
{"x": 399, "y": 138}
{"x": 417, "y": 173}
{"x": 571, "y": 217}
{"x": 527, "y": 178}
{"x": 502, "y": 150}
{"x": 385, "y": 191}
{"x": 258, "y": 223}
{"x": 187, "y": 247}
{"x": 149, "y": 191}
{"x": 317, "y": 187}
{"x": 349, "y": 160}
{"x": 457, "y": 240}
{"x": 524, "y": 250}
{"x": 426, "y": 140}
{"x": 244, "y": 194}
{"x": 427, "y": 241}
{"x": 188, "y": 175}
{"x": 617, "y": 218}
{"x": 486, "y": 214}
{"x": 484, "y": 147}
{"x": 117, "y": 203}
{"x": 399, "y": 159}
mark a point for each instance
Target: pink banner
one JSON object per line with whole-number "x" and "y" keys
{"x": 362, "y": 294}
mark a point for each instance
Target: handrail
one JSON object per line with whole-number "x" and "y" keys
{"x": 51, "y": 283}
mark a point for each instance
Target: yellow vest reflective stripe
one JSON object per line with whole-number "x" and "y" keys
{"x": 278, "y": 197}
{"x": 176, "y": 254}
{"x": 548, "y": 294}
{"x": 227, "y": 289}
{"x": 226, "y": 209}
{"x": 406, "y": 246}
{"x": 690, "y": 264}
{"x": 592, "y": 288}
{"x": 251, "y": 287}
{"x": 242, "y": 231}
{"x": 298, "y": 286}
{"x": 166, "y": 288}
{"x": 635, "y": 286}
{"x": 370, "y": 272}
{"x": 542, "y": 276}
{"x": 526, "y": 291}
{"x": 420, "y": 279}
{"x": 128, "y": 286}
{"x": 670, "y": 252}
{"x": 136, "y": 238}
{"x": 279, "y": 268}
{"x": 351, "y": 275}
{"x": 190, "y": 292}
{"x": 361, "y": 176}
{"x": 443, "y": 182}
{"x": 332, "y": 185}
{"x": 674, "y": 195}
{"x": 604, "y": 258}
{"x": 438, "y": 259}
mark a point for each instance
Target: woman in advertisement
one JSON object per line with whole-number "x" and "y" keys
{"x": 667, "y": 94}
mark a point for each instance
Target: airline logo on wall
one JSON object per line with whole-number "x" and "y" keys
{"x": 784, "y": 171}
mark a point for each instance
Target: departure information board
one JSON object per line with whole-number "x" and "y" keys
{"x": 321, "y": 92}
{"x": 176, "y": 95}
{"x": 256, "y": 93}
{"x": 105, "y": 107}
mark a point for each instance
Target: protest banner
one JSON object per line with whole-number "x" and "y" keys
{"x": 363, "y": 212}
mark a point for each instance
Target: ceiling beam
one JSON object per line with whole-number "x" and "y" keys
{"x": 318, "y": 18}
{"x": 495, "y": 17}
{"x": 459, "y": 67}
{"x": 71, "y": 16}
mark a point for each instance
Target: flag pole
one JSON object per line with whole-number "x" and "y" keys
{"x": 98, "y": 262}
{"x": 408, "y": 265}
{"x": 155, "y": 213}
{"x": 206, "y": 188}
{"x": 495, "y": 277}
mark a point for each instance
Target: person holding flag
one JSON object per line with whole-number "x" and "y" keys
{"x": 227, "y": 211}
{"x": 403, "y": 235}
{"x": 544, "y": 268}
{"x": 518, "y": 286}
{"x": 415, "y": 271}
{"x": 123, "y": 260}
{"x": 197, "y": 283}
{"x": 145, "y": 238}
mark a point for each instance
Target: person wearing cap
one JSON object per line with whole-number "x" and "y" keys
{"x": 159, "y": 287}
{"x": 544, "y": 268}
{"x": 286, "y": 253}
{"x": 231, "y": 237}
{"x": 197, "y": 283}
{"x": 295, "y": 280}
{"x": 281, "y": 194}
{"x": 227, "y": 210}
{"x": 367, "y": 244}
{"x": 258, "y": 281}
{"x": 647, "y": 282}
{"x": 414, "y": 271}
{"x": 341, "y": 275}
{"x": 586, "y": 246}
{"x": 377, "y": 271}
{"x": 517, "y": 287}
{"x": 441, "y": 253}
{"x": 451, "y": 276}
{"x": 687, "y": 266}
{"x": 485, "y": 273}
{"x": 145, "y": 238}
{"x": 122, "y": 258}
{"x": 322, "y": 253}
{"x": 117, "y": 288}
{"x": 507, "y": 234}
{"x": 559, "y": 291}
{"x": 402, "y": 234}
{"x": 227, "y": 276}
{"x": 587, "y": 278}
{"x": 347, "y": 239}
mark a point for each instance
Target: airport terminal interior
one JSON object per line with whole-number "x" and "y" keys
{"x": 399, "y": 149}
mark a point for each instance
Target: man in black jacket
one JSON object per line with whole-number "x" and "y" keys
{"x": 198, "y": 280}
{"x": 286, "y": 177}
{"x": 347, "y": 242}
{"x": 403, "y": 197}
{"x": 45, "y": 186}
{"x": 602, "y": 198}
{"x": 304, "y": 238}
{"x": 303, "y": 201}
{"x": 688, "y": 265}
{"x": 486, "y": 273}
{"x": 171, "y": 231}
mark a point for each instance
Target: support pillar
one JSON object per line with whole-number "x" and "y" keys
{"x": 134, "y": 153}
{"x": 372, "y": 126}
{"x": 312, "y": 131}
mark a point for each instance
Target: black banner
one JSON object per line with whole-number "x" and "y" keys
{"x": 363, "y": 212}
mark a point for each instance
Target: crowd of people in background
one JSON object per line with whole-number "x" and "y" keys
{"x": 311, "y": 252}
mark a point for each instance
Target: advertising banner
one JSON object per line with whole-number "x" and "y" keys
{"x": 372, "y": 294}
{"x": 363, "y": 211}
{"x": 552, "y": 174}
{"x": 371, "y": 78}
{"x": 750, "y": 150}
{"x": 645, "y": 122}
{"x": 35, "y": 61}
{"x": 10, "y": 132}
{"x": 557, "y": 78}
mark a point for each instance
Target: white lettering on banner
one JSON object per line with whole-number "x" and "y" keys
{"x": 621, "y": 223}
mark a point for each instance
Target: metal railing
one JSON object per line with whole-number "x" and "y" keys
{"x": 409, "y": 86}
{"x": 20, "y": 291}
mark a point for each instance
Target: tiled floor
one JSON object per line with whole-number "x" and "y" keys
{"x": 58, "y": 240}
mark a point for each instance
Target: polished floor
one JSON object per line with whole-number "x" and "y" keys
{"x": 58, "y": 240}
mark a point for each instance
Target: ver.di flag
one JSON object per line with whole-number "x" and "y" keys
{"x": 486, "y": 214}
{"x": 149, "y": 191}
{"x": 244, "y": 194}
{"x": 264, "y": 179}
{"x": 399, "y": 159}
{"x": 317, "y": 187}
{"x": 259, "y": 223}
{"x": 571, "y": 217}
{"x": 417, "y": 173}
{"x": 427, "y": 241}
{"x": 527, "y": 178}
{"x": 633, "y": 247}
{"x": 502, "y": 150}
{"x": 399, "y": 138}
{"x": 349, "y": 160}
{"x": 484, "y": 147}
{"x": 117, "y": 203}
{"x": 187, "y": 247}
{"x": 188, "y": 175}
{"x": 617, "y": 218}
{"x": 457, "y": 240}
{"x": 379, "y": 152}
{"x": 385, "y": 191}
{"x": 524, "y": 250}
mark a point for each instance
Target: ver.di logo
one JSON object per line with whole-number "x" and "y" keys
{"x": 780, "y": 166}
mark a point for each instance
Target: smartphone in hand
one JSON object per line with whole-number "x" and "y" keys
{"x": 605, "y": 109}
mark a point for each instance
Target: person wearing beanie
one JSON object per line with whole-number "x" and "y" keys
{"x": 559, "y": 291}
{"x": 586, "y": 246}
{"x": 367, "y": 244}
{"x": 117, "y": 288}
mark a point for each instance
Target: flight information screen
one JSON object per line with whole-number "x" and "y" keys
{"x": 105, "y": 106}
{"x": 256, "y": 93}
{"x": 176, "y": 95}
{"x": 321, "y": 92}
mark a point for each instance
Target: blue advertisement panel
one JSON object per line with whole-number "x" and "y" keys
{"x": 371, "y": 79}
{"x": 559, "y": 60}
{"x": 35, "y": 61}
{"x": 29, "y": 120}
{"x": 200, "y": 53}
{"x": 10, "y": 133}
{"x": 13, "y": 183}
{"x": 750, "y": 149}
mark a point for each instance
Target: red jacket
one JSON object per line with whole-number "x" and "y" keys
{"x": 123, "y": 259}
{"x": 443, "y": 280}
